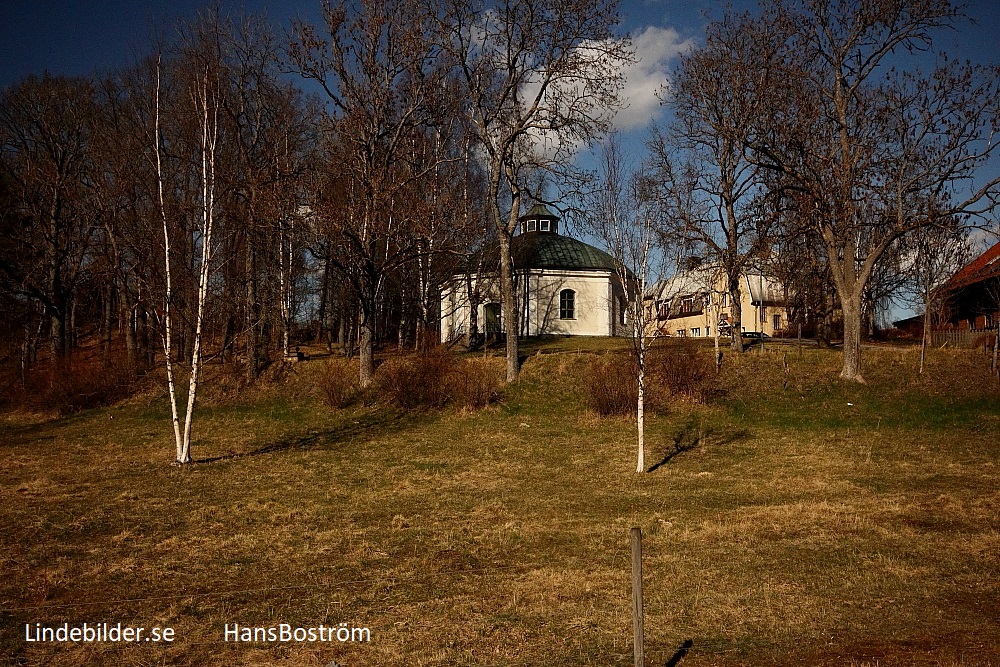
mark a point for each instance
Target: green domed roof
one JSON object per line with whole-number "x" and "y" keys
{"x": 546, "y": 250}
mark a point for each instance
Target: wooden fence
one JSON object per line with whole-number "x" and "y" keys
{"x": 962, "y": 337}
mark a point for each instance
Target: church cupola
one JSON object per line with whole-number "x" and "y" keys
{"x": 539, "y": 219}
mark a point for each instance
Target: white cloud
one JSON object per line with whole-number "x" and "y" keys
{"x": 655, "y": 49}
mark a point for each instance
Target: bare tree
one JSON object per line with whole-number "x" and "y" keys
{"x": 861, "y": 146}
{"x": 45, "y": 154}
{"x": 537, "y": 74}
{"x": 715, "y": 197}
{"x": 622, "y": 216}
{"x": 268, "y": 156}
{"x": 936, "y": 253}
{"x": 378, "y": 66}
{"x": 198, "y": 67}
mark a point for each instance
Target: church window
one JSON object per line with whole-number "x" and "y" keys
{"x": 567, "y": 304}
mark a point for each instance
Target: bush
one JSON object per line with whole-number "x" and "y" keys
{"x": 680, "y": 369}
{"x": 475, "y": 383}
{"x": 83, "y": 386}
{"x": 339, "y": 383}
{"x": 418, "y": 381}
{"x": 611, "y": 385}
{"x": 436, "y": 379}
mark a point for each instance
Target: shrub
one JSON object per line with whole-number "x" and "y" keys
{"x": 86, "y": 384}
{"x": 417, "y": 381}
{"x": 611, "y": 385}
{"x": 436, "y": 379}
{"x": 339, "y": 383}
{"x": 475, "y": 383}
{"x": 680, "y": 369}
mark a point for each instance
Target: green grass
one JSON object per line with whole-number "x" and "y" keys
{"x": 788, "y": 527}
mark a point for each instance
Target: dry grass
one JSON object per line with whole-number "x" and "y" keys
{"x": 787, "y": 528}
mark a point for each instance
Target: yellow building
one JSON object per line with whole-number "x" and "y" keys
{"x": 695, "y": 303}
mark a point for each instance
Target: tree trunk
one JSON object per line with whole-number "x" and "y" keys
{"x": 472, "y": 336}
{"x": 367, "y": 351}
{"x": 342, "y": 334}
{"x": 640, "y": 415}
{"x": 147, "y": 343}
{"x": 735, "y": 311}
{"x": 322, "y": 330}
{"x": 129, "y": 322}
{"x": 927, "y": 334}
{"x": 107, "y": 323}
{"x": 57, "y": 333}
{"x": 851, "y": 306}
{"x": 509, "y": 304}
{"x": 718, "y": 353}
{"x": 996, "y": 350}
{"x": 252, "y": 313}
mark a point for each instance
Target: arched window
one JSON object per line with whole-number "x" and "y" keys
{"x": 567, "y": 304}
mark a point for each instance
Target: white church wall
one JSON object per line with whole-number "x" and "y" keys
{"x": 539, "y": 294}
{"x": 590, "y": 308}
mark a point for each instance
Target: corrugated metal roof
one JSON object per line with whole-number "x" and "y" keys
{"x": 981, "y": 268}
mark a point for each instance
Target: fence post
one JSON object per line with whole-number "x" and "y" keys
{"x": 637, "y": 596}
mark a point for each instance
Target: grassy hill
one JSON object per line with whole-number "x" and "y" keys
{"x": 792, "y": 520}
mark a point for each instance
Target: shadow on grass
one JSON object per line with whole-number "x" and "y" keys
{"x": 691, "y": 436}
{"x": 362, "y": 429}
{"x": 680, "y": 653}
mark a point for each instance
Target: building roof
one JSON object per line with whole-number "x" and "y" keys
{"x": 982, "y": 268}
{"x": 683, "y": 284}
{"x": 539, "y": 211}
{"x": 546, "y": 250}
{"x": 761, "y": 289}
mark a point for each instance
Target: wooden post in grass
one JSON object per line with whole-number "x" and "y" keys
{"x": 637, "y": 596}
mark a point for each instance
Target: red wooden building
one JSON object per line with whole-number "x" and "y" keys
{"x": 972, "y": 297}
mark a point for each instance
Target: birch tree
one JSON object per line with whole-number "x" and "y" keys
{"x": 622, "y": 216}
{"x": 203, "y": 94}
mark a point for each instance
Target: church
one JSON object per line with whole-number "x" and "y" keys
{"x": 563, "y": 287}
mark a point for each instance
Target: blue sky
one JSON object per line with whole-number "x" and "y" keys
{"x": 83, "y": 36}
{"x": 77, "y": 37}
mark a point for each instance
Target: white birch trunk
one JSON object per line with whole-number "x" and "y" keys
{"x": 640, "y": 413}
{"x": 167, "y": 311}
{"x": 209, "y": 136}
{"x": 284, "y": 286}
{"x": 717, "y": 311}
{"x": 926, "y": 333}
